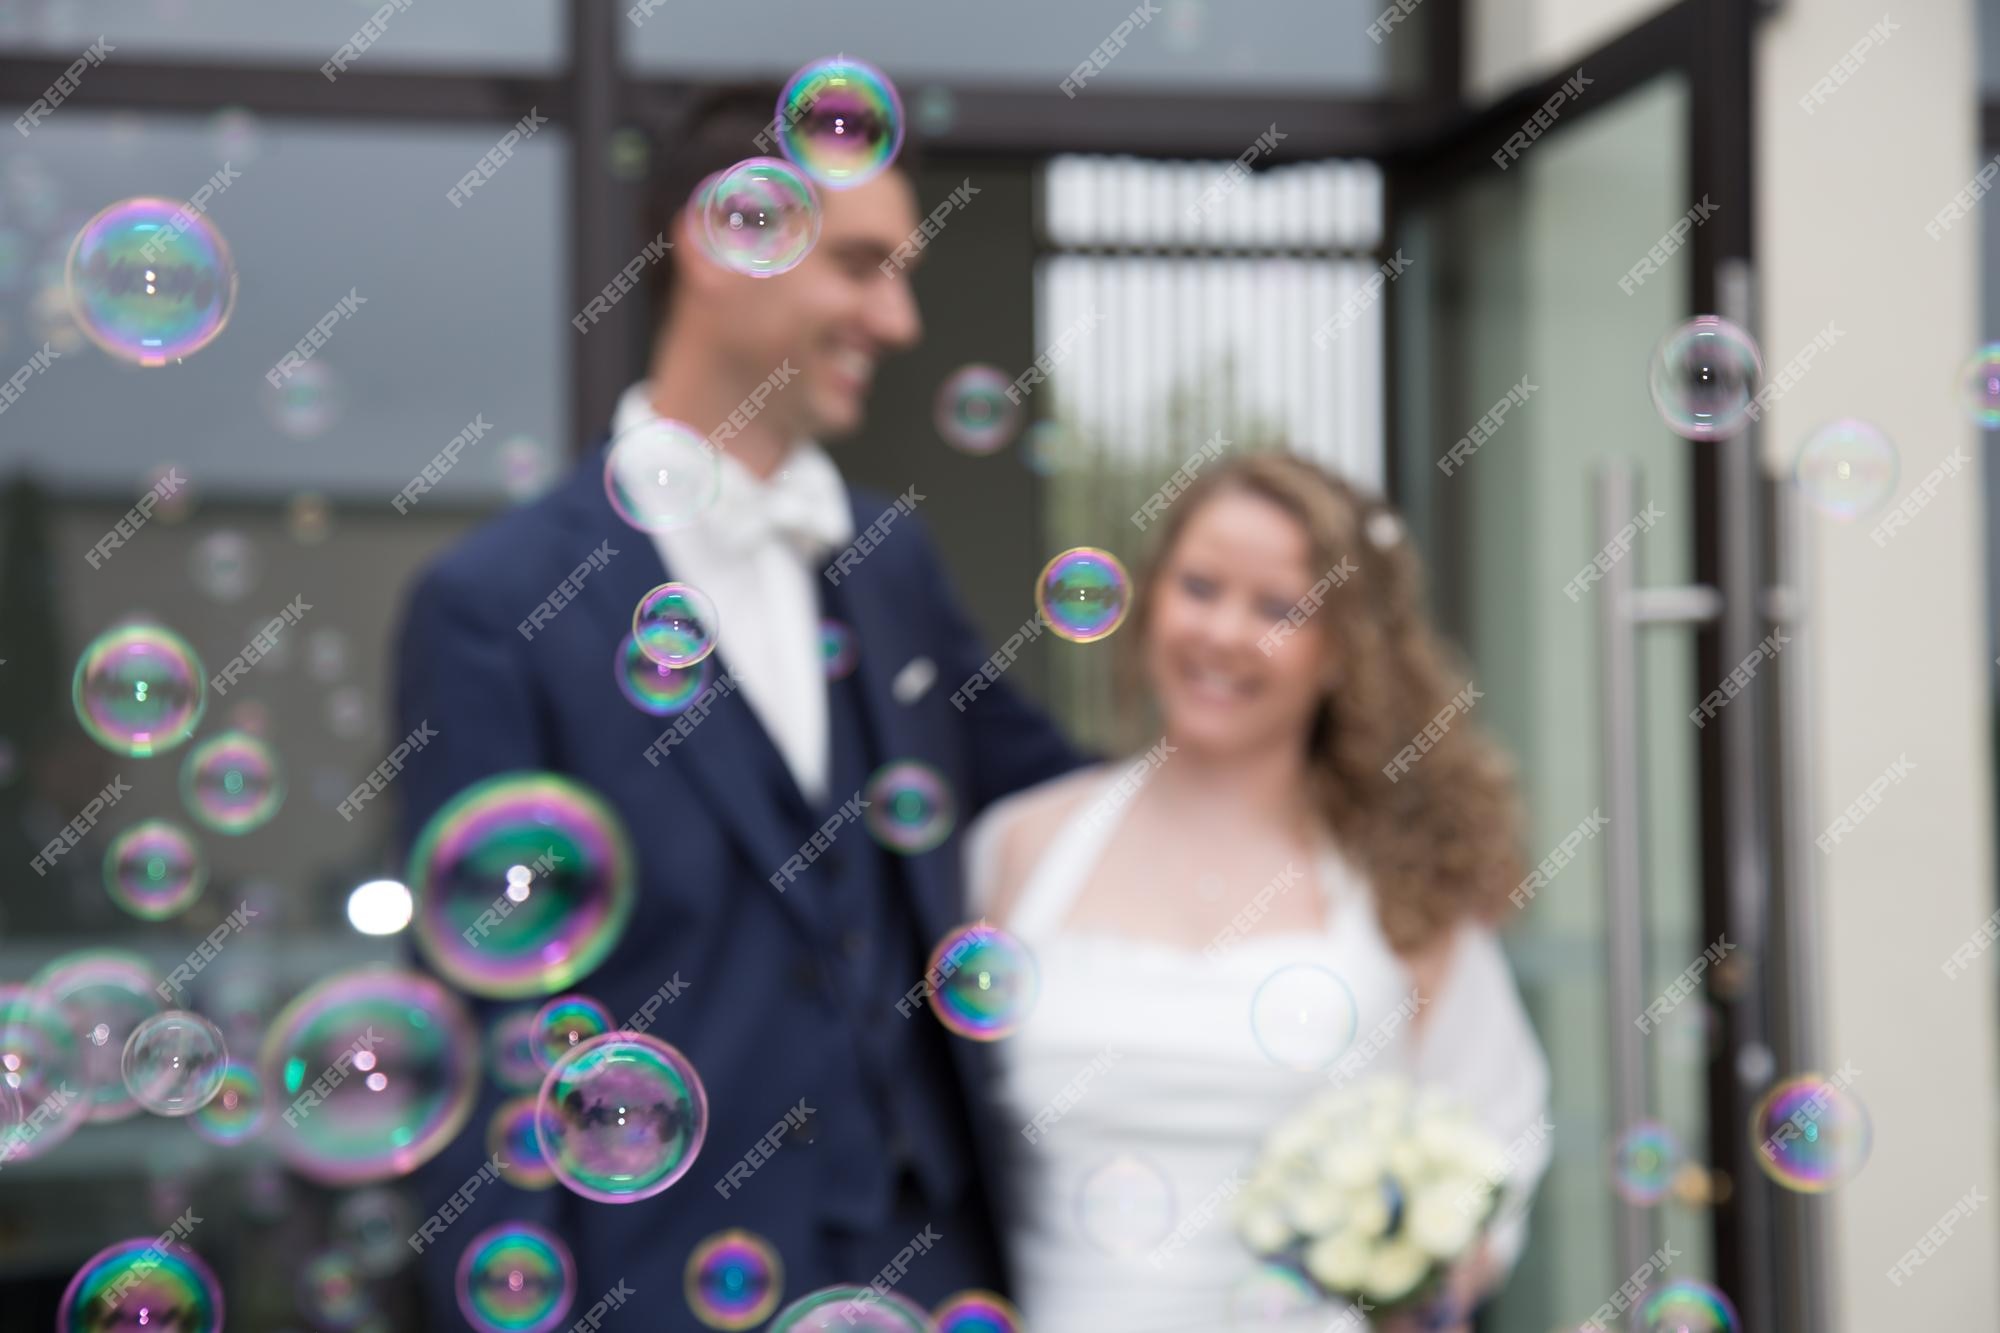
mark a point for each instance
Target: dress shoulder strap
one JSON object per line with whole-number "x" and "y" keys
{"x": 1065, "y": 866}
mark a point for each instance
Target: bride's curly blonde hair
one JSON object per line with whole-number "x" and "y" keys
{"x": 1441, "y": 843}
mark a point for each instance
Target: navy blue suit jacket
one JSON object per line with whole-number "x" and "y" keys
{"x": 707, "y": 839}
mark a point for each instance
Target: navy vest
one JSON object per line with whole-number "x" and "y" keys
{"x": 870, "y": 956}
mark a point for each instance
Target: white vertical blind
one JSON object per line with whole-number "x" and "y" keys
{"x": 1208, "y": 304}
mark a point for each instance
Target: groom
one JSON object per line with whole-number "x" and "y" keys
{"x": 843, "y": 1131}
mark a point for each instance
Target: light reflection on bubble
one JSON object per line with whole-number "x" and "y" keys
{"x": 1083, "y": 594}
{"x": 391, "y": 1062}
{"x": 150, "y": 282}
{"x": 142, "y": 1283}
{"x": 524, "y": 883}
{"x": 516, "y": 1278}
{"x": 621, "y": 1118}
{"x": 841, "y": 121}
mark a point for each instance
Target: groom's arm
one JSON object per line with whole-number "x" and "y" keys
{"x": 462, "y": 675}
{"x": 1010, "y": 741}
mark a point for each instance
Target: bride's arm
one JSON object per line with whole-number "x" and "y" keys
{"x": 1475, "y": 1040}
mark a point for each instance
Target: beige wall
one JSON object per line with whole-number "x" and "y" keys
{"x": 1897, "y": 638}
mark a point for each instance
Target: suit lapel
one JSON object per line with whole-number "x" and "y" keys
{"x": 879, "y": 613}
{"x": 723, "y": 752}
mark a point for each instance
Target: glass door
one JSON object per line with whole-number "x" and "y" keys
{"x": 1522, "y": 329}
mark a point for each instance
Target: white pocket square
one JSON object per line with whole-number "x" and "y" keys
{"x": 917, "y": 675}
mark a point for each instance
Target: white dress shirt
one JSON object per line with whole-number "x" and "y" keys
{"x": 757, "y": 551}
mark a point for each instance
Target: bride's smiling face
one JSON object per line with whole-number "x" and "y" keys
{"x": 1224, "y": 681}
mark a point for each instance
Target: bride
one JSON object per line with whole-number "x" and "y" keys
{"x": 1296, "y": 810}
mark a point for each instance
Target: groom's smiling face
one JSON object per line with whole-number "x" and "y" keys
{"x": 831, "y": 319}
{"x": 1239, "y": 564}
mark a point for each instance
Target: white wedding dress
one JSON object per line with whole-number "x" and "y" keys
{"x": 1153, "y": 1093}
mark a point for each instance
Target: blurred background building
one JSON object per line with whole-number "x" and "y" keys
{"x": 1208, "y": 318}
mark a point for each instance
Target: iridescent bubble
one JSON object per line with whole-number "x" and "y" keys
{"x": 629, "y": 153}
{"x": 1048, "y": 448}
{"x": 236, "y": 1111}
{"x": 1687, "y": 1306}
{"x": 41, "y": 1066}
{"x": 142, "y": 1283}
{"x": 1704, "y": 378}
{"x": 937, "y": 110}
{"x": 307, "y": 403}
{"x": 976, "y": 1312}
{"x": 622, "y": 1117}
{"x": 734, "y": 1280}
{"x": 511, "y": 1051}
{"x": 1270, "y": 1292}
{"x": 850, "y": 1310}
{"x": 380, "y": 1068}
{"x": 1082, "y": 594}
{"x": 149, "y": 282}
{"x": 515, "y": 1278}
{"x": 1810, "y": 1134}
{"x": 308, "y": 518}
{"x": 1185, "y": 21}
{"x": 510, "y": 1137}
{"x": 1846, "y": 469}
{"x": 153, "y": 870}
{"x": 524, "y": 884}
{"x": 652, "y": 688}
{"x": 697, "y": 209}
{"x": 841, "y": 120}
{"x": 224, "y": 565}
{"x": 986, "y": 982}
{"x": 231, "y": 782}
{"x": 176, "y": 493}
{"x": 1303, "y": 1016}
{"x": 173, "y": 1062}
{"x": 838, "y": 649}
{"x": 267, "y": 1192}
{"x": 761, "y": 217}
{"x": 909, "y": 807}
{"x": 106, "y": 995}
{"x": 1643, "y": 1161}
{"x": 326, "y": 655}
{"x": 973, "y": 411}
{"x": 332, "y": 1292}
{"x": 374, "y": 1226}
{"x": 1124, "y": 1205}
{"x": 526, "y": 467}
{"x": 234, "y": 133}
{"x": 346, "y": 713}
{"x": 661, "y": 475}
{"x": 675, "y": 625}
{"x": 51, "y": 320}
{"x": 565, "y": 1023}
{"x": 1980, "y": 384}
{"x": 139, "y": 690}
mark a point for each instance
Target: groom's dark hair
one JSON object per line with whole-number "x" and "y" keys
{"x": 719, "y": 129}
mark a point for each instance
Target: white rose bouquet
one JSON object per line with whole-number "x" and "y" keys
{"x": 1373, "y": 1192}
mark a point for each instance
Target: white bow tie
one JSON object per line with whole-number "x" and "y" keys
{"x": 803, "y": 504}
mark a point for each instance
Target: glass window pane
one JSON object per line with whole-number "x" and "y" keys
{"x": 461, "y": 309}
{"x": 1317, "y": 45}
{"x": 434, "y": 32}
